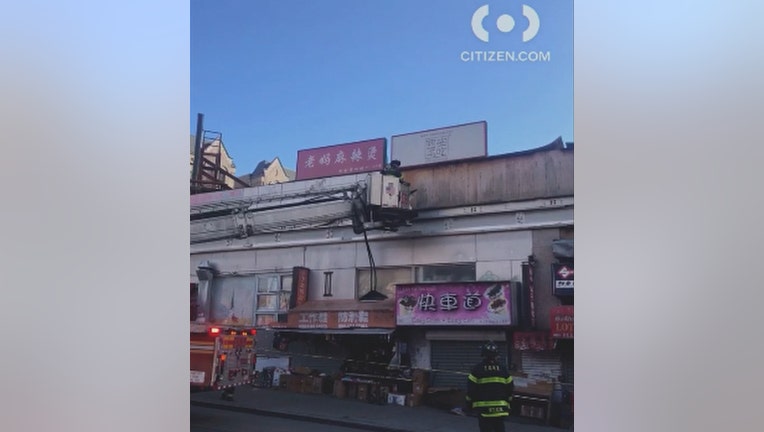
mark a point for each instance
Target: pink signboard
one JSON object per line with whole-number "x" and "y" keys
{"x": 453, "y": 304}
{"x": 342, "y": 159}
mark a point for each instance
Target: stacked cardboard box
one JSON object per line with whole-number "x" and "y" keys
{"x": 420, "y": 376}
{"x": 363, "y": 392}
{"x": 339, "y": 389}
{"x": 307, "y": 384}
{"x": 317, "y": 386}
{"x": 302, "y": 370}
{"x": 420, "y": 380}
{"x": 277, "y": 374}
{"x": 294, "y": 383}
{"x": 413, "y": 400}
{"x": 351, "y": 389}
{"x": 298, "y": 382}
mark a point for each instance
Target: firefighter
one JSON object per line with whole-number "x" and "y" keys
{"x": 489, "y": 390}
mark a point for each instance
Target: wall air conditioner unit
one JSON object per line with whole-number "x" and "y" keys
{"x": 385, "y": 190}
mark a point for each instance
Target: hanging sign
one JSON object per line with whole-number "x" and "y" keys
{"x": 561, "y": 318}
{"x": 562, "y": 279}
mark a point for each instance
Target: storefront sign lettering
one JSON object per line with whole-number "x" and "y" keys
{"x": 341, "y": 319}
{"x": 300, "y": 276}
{"x": 313, "y": 320}
{"x": 532, "y": 341}
{"x": 352, "y": 319}
{"x": 427, "y": 302}
{"x": 342, "y": 159}
{"x": 471, "y": 303}
{"x": 561, "y": 318}
{"x": 562, "y": 279}
{"x": 449, "y": 302}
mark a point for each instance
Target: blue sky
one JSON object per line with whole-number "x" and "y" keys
{"x": 278, "y": 76}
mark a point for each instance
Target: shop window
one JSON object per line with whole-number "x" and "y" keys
{"x": 446, "y": 273}
{"x": 386, "y": 280}
{"x": 286, "y": 292}
{"x": 264, "y": 320}
{"x": 328, "y": 283}
{"x": 273, "y": 294}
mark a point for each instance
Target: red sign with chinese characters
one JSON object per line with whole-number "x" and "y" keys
{"x": 342, "y": 159}
{"x": 532, "y": 341}
{"x": 340, "y": 319}
{"x": 300, "y": 278}
{"x": 561, "y": 322}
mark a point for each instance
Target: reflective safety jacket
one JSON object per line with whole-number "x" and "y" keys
{"x": 489, "y": 389}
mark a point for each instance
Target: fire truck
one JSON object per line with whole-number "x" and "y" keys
{"x": 223, "y": 346}
{"x": 222, "y": 356}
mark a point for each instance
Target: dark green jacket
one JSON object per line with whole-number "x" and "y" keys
{"x": 489, "y": 389}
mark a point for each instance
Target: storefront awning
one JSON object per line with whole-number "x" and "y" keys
{"x": 357, "y": 331}
{"x": 344, "y": 305}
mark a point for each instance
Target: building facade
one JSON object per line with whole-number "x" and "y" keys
{"x": 493, "y": 226}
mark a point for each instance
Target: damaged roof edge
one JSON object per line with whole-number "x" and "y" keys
{"x": 557, "y": 144}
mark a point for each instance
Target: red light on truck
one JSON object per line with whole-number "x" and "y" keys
{"x": 214, "y": 330}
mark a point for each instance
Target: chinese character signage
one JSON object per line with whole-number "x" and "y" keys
{"x": 341, "y": 314}
{"x": 343, "y": 159}
{"x": 351, "y": 319}
{"x": 300, "y": 277}
{"x": 345, "y": 319}
{"x": 562, "y": 279}
{"x": 439, "y": 145}
{"x": 454, "y": 304}
{"x": 561, "y": 318}
{"x": 313, "y": 320}
{"x": 532, "y": 341}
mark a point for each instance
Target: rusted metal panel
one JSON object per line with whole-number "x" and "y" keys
{"x": 506, "y": 178}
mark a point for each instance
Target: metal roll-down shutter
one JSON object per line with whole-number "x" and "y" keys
{"x": 542, "y": 365}
{"x": 452, "y": 361}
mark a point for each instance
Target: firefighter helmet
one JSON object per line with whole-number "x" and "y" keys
{"x": 490, "y": 350}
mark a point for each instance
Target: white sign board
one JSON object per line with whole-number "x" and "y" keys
{"x": 277, "y": 362}
{"x": 439, "y": 145}
{"x": 197, "y": 377}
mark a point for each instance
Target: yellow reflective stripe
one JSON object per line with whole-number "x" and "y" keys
{"x": 496, "y": 414}
{"x": 472, "y": 378}
{"x": 497, "y": 403}
{"x": 489, "y": 380}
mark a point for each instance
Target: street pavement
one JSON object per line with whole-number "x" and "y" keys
{"x": 216, "y": 420}
{"x": 329, "y": 410}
